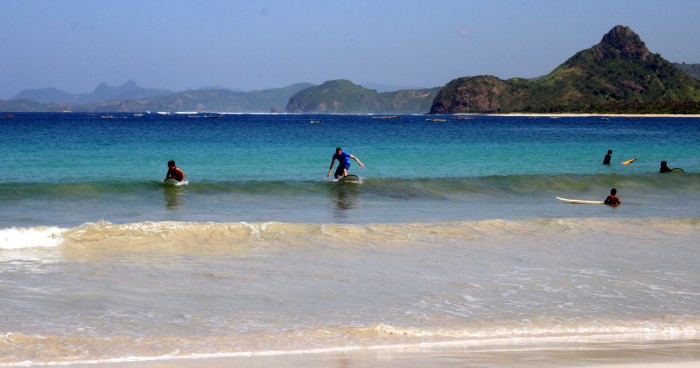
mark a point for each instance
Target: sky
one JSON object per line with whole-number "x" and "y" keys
{"x": 74, "y": 45}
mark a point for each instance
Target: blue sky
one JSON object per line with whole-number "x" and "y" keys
{"x": 257, "y": 44}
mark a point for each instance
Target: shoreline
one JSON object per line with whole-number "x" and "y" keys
{"x": 513, "y": 114}
{"x": 574, "y": 115}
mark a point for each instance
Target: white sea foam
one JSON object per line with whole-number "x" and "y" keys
{"x": 20, "y": 238}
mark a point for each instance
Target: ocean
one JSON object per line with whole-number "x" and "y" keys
{"x": 453, "y": 250}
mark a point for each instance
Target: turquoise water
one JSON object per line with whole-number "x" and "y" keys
{"x": 67, "y": 169}
{"x": 78, "y": 148}
{"x": 452, "y": 251}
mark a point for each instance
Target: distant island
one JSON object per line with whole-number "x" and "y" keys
{"x": 619, "y": 75}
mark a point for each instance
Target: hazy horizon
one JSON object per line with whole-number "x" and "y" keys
{"x": 74, "y": 45}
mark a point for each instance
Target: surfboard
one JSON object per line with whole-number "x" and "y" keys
{"x": 629, "y": 161}
{"x": 579, "y": 201}
{"x": 173, "y": 182}
{"x": 350, "y": 179}
{"x": 677, "y": 169}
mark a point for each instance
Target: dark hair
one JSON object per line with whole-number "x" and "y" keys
{"x": 171, "y": 162}
{"x": 613, "y": 191}
{"x": 338, "y": 149}
{"x": 663, "y": 163}
{"x": 609, "y": 151}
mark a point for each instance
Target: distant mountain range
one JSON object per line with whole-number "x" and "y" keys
{"x": 334, "y": 97}
{"x": 618, "y": 75}
{"x": 208, "y": 100}
{"x": 127, "y": 91}
{"x": 129, "y": 97}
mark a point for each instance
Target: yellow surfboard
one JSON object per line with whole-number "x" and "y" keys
{"x": 629, "y": 161}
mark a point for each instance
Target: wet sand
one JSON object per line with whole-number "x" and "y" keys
{"x": 675, "y": 354}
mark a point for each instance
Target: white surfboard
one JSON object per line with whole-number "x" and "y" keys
{"x": 173, "y": 182}
{"x": 579, "y": 201}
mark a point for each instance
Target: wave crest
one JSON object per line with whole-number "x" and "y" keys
{"x": 405, "y": 187}
{"x": 667, "y": 327}
{"x": 236, "y": 236}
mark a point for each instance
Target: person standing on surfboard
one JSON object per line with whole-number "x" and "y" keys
{"x": 606, "y": 159}
{"x": 174, "y": 172}
{"x": 612, "y": 199}
{"x": 343, "y": 163}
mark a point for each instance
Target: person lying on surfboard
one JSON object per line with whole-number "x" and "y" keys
{"x": 343, "y": 163}
{"x": 174, "y": 172}
{"x": 612, "y": 199}
{"x": 664, "y": 167}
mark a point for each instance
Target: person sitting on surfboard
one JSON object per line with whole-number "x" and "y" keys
{"x": 664, "y": 167}
{"x": 343, "y": 163}
{"x": 612, "y": 199}
{"x": 174, "y": 172}
{"x": 606, "y": 159}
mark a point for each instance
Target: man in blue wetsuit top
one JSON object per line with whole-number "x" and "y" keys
{"x": 343, "y": 163}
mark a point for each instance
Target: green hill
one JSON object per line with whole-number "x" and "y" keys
{"x": 618, "y": 75}
{"x": 344, "y": 97}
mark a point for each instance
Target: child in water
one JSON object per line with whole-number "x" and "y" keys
{"x": 174, "y": 172}
{"x": 612, "y": 199}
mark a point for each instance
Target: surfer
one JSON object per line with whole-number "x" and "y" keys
{"x": 664, "y": 167}
{"x": 343, "y": 163}
{"x": 606, "y": 159}
{"x": 612, "y": 199}
{"x": 174, "y": 172}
